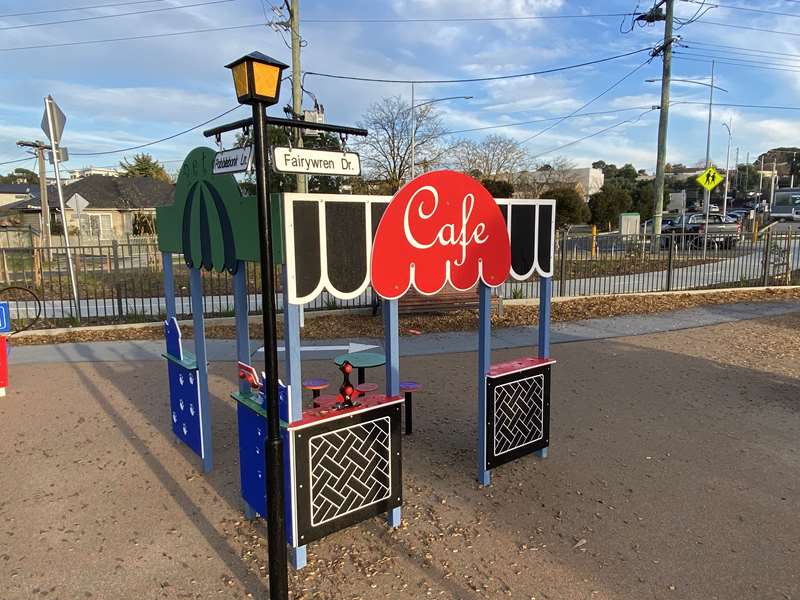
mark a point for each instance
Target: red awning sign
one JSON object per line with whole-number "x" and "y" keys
{"x": 442, "y": 227}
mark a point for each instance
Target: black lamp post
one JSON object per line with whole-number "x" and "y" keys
{"x": 257, "y": 79}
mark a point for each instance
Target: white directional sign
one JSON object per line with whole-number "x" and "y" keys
{"x": 77, "y": 203}
{"x": 234, "y": 160}
{"x": 315, "y": 162}
{"x": 57, "y": 118}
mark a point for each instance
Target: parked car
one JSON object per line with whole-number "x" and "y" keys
{"x": 739, "y": 214}
{"x": 693, "y": 226}
{"x": 647, "y": 226}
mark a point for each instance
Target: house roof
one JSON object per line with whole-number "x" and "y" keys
{"x": 118, "y": 193}
{"x": 18, "y": 188}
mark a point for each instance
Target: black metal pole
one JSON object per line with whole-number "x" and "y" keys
{"x": 276, "y": 530}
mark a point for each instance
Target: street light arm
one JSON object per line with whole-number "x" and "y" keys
{"x": 441, "y": 100}
{"x": 716, "y": 87}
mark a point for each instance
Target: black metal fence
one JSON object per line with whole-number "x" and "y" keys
{"x": 123, "y": 282}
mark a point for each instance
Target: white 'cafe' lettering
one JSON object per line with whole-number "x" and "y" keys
{"x": 447, "y": 235}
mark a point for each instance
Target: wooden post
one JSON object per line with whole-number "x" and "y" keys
{"x": 6, "y": 275}
{"x": 37, "y": 268}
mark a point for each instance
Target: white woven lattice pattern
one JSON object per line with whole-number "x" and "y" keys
{"x": 518, "y": 413}
{"x": 350, "y": 469}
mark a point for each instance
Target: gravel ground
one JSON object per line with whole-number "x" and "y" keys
{"x": 673, "y": 473}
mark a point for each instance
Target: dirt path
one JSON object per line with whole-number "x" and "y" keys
{"x": 673, "y": 473}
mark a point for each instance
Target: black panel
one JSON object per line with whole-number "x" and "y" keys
{"x": 517, "y": 415}
{"x": 306, "y": 246}
{"x": 377, "y": 208}
{"x": 356, "y": 461}
{"x": 504, "y": 211}
{"x": 346, "y": 244}
{"x": 545, "y": 238}
{"x": 523, "y": 237}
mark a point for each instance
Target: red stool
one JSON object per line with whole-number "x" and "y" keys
{"x": 365, "y": 388}
{"x": 408, "y": 388}
{"x": 316, "y": 386}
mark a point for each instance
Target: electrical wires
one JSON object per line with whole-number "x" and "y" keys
{"x": 113, "y": 15}
{"x": 580, "y": 108}
{"x": 477, "y": 79}
{"x": 164, "y": 139}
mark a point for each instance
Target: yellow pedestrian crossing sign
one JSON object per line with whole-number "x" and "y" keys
{"x": 710, "y": 178}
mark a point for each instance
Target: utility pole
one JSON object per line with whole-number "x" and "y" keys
{"x": 413, "y": 133}
{"x": 747, "y": 174}
{"x": 761, "y": 181}
{"x": 736, "y": 175}
{"x": 44, "y": 215}
{"x": 772, "y": 183}
{"x": 297, "y": 83}
{"x": 727, "y": 171}
{"x": 663, "y": 117}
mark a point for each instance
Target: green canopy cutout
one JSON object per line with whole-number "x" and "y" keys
{"x": 210, "y": 222}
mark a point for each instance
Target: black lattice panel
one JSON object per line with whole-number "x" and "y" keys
{"x": 346, "y": 470}
{"x": 517, "y": 414}
{"x": 350, "y": 469}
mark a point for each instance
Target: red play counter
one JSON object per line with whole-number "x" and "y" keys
{"x": 520, "y": 364}
{"x": 325, "y": 411}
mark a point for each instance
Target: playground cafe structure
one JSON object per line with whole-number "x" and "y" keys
{"x": 314, "y": 471}
{"x": 343, "y": 464}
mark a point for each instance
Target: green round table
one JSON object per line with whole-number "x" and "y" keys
{"x": 361, "y": 361}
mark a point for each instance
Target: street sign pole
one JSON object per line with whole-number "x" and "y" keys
{"x": 707, "y": 193}
{"x": 276, "y": 538}
{"x": 54, "y": 131}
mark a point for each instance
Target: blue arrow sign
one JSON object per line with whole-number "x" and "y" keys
{"x": 5, "y": 319}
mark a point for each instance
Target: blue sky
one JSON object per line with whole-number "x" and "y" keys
{"x": 125, "y": 93}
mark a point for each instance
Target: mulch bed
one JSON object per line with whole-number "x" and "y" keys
{"x": 335, "y": 326}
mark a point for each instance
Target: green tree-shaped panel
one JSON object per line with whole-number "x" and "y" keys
{"x": 210, "y": 222}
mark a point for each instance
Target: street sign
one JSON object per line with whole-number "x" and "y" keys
{"x": 235, "y": 160}
{"x": 315, "y": 162}
{"x": 58, "y": 119}
{"x": 5, "y": 319}
{"x": 677, "y": 201}
{"x": 63, "y": 155}
{"x": 77, "y": 203}
{"x": 710, "y": 178}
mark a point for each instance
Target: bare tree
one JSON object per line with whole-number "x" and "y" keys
{"x": 386, "y": 151}
{"x": 496, "y": 157}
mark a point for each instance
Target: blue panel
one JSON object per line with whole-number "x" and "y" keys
{"x": 5, "y": 319}
{"x": 391, "y": 346}
{"x": 252, "y": 464}
{"x": 545, "y": 295}
{"x": 184, "y": 399}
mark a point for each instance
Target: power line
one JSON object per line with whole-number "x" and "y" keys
{"x": 728, "y": 104}
{"x": 773, "y": 61}
{"x": 125, "y": 14}
{"x": 164, "y": 139}
{"x": 477, "y": 79}
{"x": 750, "y": 28}
{"x": 467, "y": 19}
{"x": 577, "y": 110}
{"x": 744, "y": 8}
{"x": 545, "y": 120}
{"x": 683, "y": 56}
{"x": 133, "y": 37}
{"x": 595, "y": 134}
{"x": 77, "y": 8}
{"x": 753, "y": 51}
{"x": 11, "y": 162}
